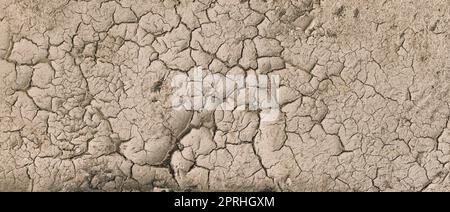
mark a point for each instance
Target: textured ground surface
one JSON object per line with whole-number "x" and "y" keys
{"x": 85, "y": 95}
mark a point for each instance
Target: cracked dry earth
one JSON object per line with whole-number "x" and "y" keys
{"x": 85, "y": 95}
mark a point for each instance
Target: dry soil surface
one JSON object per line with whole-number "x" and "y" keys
{"x": 85, "y": 95}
